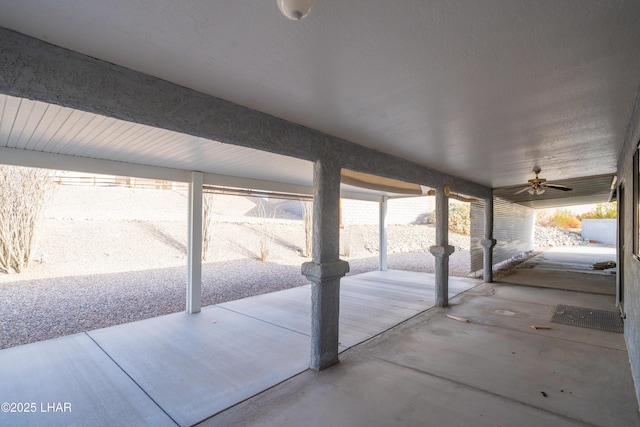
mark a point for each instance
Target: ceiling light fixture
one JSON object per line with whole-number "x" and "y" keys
{"x": 295, "y": 9}
{"x": 536, "y": 190}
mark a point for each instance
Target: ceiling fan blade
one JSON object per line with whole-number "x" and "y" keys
{"x": 521, "y": 191}
{"x": 558, "y": 187}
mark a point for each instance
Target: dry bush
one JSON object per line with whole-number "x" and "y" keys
{"x": 460, "y": 218}
{"x": 25, "y": 193}
{"x": 266, "y": 235}
{"x": 563, "y": 218}
{"x": 543, "y": 216}
{"x": 602, "y": 211}
{"x": 208, "y": 220}
{"x": 346, "y": 243}
{"x": 307, "y": 210}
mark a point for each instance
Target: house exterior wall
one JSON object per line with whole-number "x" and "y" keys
{"x": 631, "y": 271}
{"x": 599, "y": 230}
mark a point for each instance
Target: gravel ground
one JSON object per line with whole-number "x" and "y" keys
{"x": 111, "y": 256}
{"x": 40, "y": 309}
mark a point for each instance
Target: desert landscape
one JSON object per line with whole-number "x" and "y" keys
{"x": 110, "y": 255}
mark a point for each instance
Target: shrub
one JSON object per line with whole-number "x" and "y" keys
{"x": 460, "y": 218}
{"x": 602, "y": 211}
{"x": 264, "y": 228}
{"x": 543, "y": 216}
{"x": 430, "y": 218}
{"x": 24, "y": 193}
{"x": 209, "y": 218}
{"x": 563, "y": 218}
{"x": 346, "y": 243}
{"x": 307, "y": 209}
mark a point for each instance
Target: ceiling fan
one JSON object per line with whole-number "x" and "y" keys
{"x": 538, "y": 186}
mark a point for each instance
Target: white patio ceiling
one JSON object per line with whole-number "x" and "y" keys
{"x": 481, "y": 89}
{"x": 32, "y": 127}
{"x": 48, "y": 128}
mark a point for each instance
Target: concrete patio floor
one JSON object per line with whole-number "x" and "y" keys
{"x": 492, "y": 371}
{"x": 181, "y": 369}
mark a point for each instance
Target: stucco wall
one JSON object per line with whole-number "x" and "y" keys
{"x": 631, "y": 273}
{"x": 600, "y": 230}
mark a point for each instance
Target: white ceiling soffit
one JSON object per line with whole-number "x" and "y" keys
{"x": 480, "y": 89}
{"x": 594, "y": 189}
{"x": 49, "y": 130}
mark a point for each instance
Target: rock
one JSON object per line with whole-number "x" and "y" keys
{"x": 551, "y": 236}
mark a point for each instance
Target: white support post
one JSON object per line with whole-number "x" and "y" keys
{"x": 194, "y": 245}
{"x": 383, "y": 233}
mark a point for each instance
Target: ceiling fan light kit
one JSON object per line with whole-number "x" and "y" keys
{"x": 537, "y": 191}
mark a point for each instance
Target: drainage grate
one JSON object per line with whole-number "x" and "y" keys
{"x": 603, "y": 320}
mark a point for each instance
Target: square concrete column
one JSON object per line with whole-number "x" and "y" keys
{"x": 383, "y": 233}
{"x": 442, "y": 250}
{"x": 194, "y": 245}
{"x": 488, "y": 242}
{"x": 326, "y": 268}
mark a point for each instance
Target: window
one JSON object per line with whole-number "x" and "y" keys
{"x": 636, "y": 204}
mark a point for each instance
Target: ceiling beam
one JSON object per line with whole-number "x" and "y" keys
{"x": 62, "y": 162}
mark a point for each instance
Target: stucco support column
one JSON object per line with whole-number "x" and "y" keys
{"x": 442, "y": 250}
{"x": 383, "y": 233}
{"x": 194, "y": 245}
{"x": 488, "y": 242}
{"x": 326, "y": 268}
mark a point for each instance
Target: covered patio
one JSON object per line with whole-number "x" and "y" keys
{"x": 492, "y": 370}
{"x": 182, "y": 369}
{"x": 403, "y": 361}
{"x": 458, "y": 98}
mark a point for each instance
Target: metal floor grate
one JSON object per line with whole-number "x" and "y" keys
{"x": 603, "y": 320}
